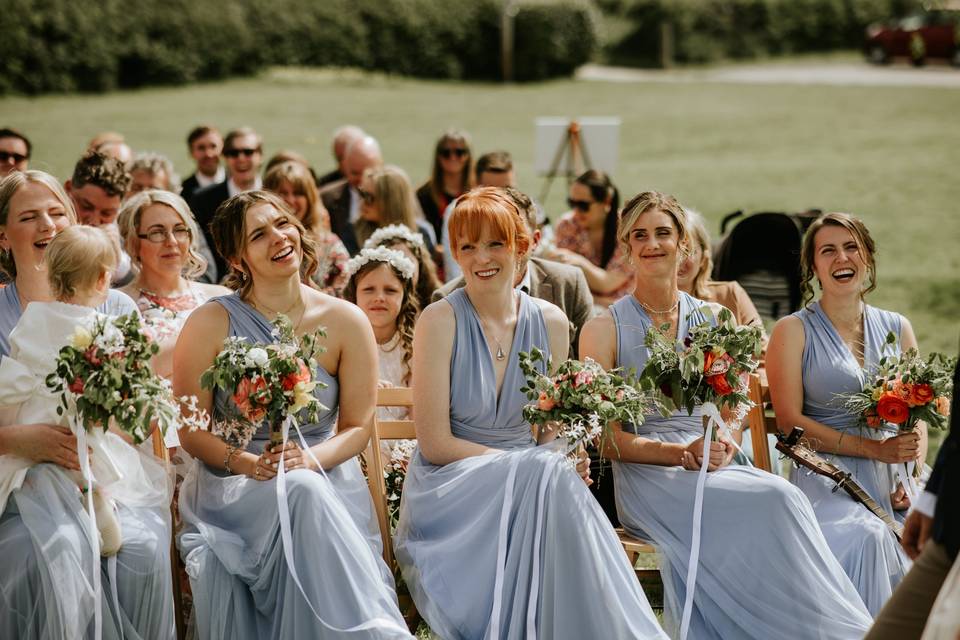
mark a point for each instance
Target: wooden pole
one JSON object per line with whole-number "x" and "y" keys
{"x": 506, "y": 39}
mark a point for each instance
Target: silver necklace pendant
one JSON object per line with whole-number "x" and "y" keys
{"x": 500, "y": 354}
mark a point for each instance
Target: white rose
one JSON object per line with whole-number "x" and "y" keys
{"x": 257, "y": 357}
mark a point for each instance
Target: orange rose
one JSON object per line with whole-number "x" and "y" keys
{"x": 892, "y": 408}
{"x": 242, "y": 398}
{"x": 943, "y": 405}
{"x": 719, "y": 384}
{"x": 291, "y": 379}
{"x": 545, "y": 402}
{"x": 708, "y": 359}
{"x": 920, "y": 394}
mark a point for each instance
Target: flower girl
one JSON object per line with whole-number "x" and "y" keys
{"x": 80, "y": 261}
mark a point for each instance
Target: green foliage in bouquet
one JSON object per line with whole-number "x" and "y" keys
{"x": 904, "y": 390}
{"x": 105, "y": 373}
{"x": 582, "y": 397}
{"x": 269, "y": 381}
{"x": 712, "y": 366}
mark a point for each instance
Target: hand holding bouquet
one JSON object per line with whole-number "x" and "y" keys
{"x": 712, "y": 366}
{"x": 266, "y": 381}
{"x": 582, "y": 398}
{"x": 905, "y": 390}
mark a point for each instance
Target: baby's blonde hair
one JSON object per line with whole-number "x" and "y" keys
{"x": 77, "y": 257}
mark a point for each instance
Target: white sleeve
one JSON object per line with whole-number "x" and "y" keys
{"x": 926, "y": 503}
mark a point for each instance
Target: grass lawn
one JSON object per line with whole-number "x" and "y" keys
{"x": 887, "y": 154}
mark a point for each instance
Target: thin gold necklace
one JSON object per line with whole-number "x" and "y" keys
{"x": 276, "y": 313}
{"x": 650, "y": 309}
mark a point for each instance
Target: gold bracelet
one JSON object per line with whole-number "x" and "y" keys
{"x": 231, "y": 453}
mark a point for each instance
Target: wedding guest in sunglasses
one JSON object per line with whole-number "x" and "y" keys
{"x": 451, "y": 177}
{"x": 14, "y": 151}
{"x": 586, "y": 237}
{"x": 387, "y": 198}
{"x": 243, "y": 153}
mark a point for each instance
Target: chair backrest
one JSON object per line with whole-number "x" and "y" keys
{"x": 759, "y": 423}
{"x": 386, "y": 430}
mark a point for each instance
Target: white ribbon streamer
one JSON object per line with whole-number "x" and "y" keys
{"x": 713, "y": 415}
{"x": 286, "y": 538}
{"x": 112, "y": 574}
{"x": 906, "y": 478}
{"x": 93, "y": 533}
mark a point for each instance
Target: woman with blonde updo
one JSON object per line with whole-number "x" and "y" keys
{"x": 386, "y": 199}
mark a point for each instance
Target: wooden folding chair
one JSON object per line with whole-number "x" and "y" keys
{"x": 389, "y": 430}
{"x": 759, "y": 422}
{"x": 162, "y": 453}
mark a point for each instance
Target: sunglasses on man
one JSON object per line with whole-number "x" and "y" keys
{"x": 449, "y": 152}
{"x": 579, "y": 205}
{"x": 235, "y": 153}
{"x": 7, "y": 156}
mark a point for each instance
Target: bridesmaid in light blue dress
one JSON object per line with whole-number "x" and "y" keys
{"x": 45, "y": 586}
{"x": 831, "y": 347}
{"x": 499, "y": 538}
{"x": 765, "y": 570}
{"x": 238, "y": 563}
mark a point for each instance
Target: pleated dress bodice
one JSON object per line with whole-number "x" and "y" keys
{"x": 477, "y": 414}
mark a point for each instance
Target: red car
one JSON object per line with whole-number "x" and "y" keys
{"x": 932, "y": 34}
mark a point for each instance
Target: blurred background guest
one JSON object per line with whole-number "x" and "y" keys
{"x": 205, "y": 144}
{"x": 158, "y": 230}
{"x": 15, "y": 151}
{"x": 342, "y": 138}
{"x": 388, "y": 198}
{"x": 295, "y": 185}
{"x": 113, "y": 144}
{"x": 342, "y": 198}
{"x": 450, "y": 177}
{"x": 586, "y": 237}
{"x": 152, "y": 171}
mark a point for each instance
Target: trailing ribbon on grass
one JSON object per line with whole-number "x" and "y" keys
{"x": 286, "y": 539}
{"x": 713, "y": 415}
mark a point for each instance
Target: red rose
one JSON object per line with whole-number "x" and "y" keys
{"x": 76, "y": 386}
{"x": 708, "y": 359}
{"x": 719, "y": 384}
{"x": 291, "y": 379}
{"x": 919, "y": 395}
{"x": 892, "y": 408}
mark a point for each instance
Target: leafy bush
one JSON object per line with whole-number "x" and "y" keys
{"x": 710, "y": 30}
{"x": 98, "y": 45}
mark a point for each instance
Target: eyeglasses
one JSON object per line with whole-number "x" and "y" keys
{"x": 233, "y": 153}
{"x": 449, "y": 152}
{"x": 159, "y": 236}
{"x": 579, "y": 205}
{"x": 7, "y": 156}
{"x": 367, "y": 197}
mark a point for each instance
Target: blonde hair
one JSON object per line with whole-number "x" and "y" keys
{"x": 77, "y": 257}
{"x": 698, "y": 234}
{"x": 395, "y": 198}
{"x": 652, "y": 201}
{"x": 861, "y": 236}
{"x": 9, "y": 187}
{"x": 131, "y": 213}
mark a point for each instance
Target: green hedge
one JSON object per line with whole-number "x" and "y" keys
{"x": 98, "y": 45}
{"x": 711, "y": 30}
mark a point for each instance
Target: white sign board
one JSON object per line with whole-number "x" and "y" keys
{"x": 599, "y": 138}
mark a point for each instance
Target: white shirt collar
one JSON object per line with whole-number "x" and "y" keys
{"x": 217, "y": 178}
{"x": 233, "y": 189}
{"x": 525, "y": 281}
{"x": 354, "y": 204}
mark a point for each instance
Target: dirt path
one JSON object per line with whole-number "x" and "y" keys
{"x": 841, "y": 74}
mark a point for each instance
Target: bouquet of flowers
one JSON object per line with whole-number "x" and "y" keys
{"x": 582, "y": 398}
{"x": 266, "y": 381}
{"x": 400, "y": 454}
{"x": 905, "y": 390}
{"x": 104, "y": 373}
{"x": 712, "y": 367}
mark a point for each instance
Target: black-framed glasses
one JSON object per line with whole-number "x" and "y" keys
{"x": 159, "y": 236}
{"x": 234, "y": 153}
{"x": 366, "y": 196}
{"x": 7, "y": 156}
{"x": 579, "y": 205}
{"x": 449, "y": 152}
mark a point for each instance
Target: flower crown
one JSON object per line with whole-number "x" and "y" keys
{"x": 394, "y": 258}
{"x": 391, "y": 232}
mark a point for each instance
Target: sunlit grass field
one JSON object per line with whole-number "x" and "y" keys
{"x": 887, "y": 154}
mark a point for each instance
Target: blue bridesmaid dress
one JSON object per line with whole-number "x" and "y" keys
{"x": 510, "y": 545}
{"x": 765, "y": 570}
{"x": 45, "y": 587}
{"x": 232, "y": 548}
{"x": 867, "y": 549}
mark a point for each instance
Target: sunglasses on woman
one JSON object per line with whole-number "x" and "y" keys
{"x": 449, "y": 152}
{"x": 366, "y": 196}
{"x": 579, "y": 205}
